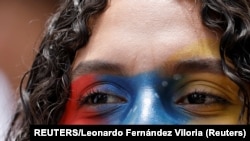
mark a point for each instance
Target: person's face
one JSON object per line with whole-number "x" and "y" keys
{"x": 151, "y": 62}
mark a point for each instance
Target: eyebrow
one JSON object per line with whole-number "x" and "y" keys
{"x": 97, "y": 66}
{"x": 181, "y": 67}
{"x": 198, "y": 65}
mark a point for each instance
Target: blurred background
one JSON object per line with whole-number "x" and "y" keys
{"x": 21, "y": 25}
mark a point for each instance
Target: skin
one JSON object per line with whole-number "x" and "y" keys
{"x": 144, "y": 62}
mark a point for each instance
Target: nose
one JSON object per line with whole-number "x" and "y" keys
{"x": 148, "y": 108}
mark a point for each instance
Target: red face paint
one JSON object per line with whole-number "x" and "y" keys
{"x": 74, "y": 113}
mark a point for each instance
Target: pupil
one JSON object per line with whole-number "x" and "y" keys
{"x": 99, "y": 98}
{"x": 196, "y": 99}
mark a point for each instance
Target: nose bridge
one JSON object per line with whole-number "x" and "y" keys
{"x": 143, "y": 108}
{"x": 146, "y": 109}
{"x": 152, "y": 102}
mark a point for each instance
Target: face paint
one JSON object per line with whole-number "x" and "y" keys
{"x": 152, "y": 101}
{"x": 73, "y": 111}
{"x": 145, "y": 98}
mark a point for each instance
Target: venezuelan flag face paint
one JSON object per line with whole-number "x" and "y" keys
{"x": 145, "y": 98}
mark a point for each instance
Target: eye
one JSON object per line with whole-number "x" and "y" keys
{"x": 201, "y": 98}
{"x": 102, "y": 94}
{"x": 202, "y": 103}
{"x": 102, "y": 98}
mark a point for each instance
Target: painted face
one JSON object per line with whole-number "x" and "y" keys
{"x": 151, "y": 62}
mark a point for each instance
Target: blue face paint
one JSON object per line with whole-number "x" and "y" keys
{"x": 149, "y": 100}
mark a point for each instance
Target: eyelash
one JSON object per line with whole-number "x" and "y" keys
{"x": 214, "y": 98}
{"x": 113, "y": 98}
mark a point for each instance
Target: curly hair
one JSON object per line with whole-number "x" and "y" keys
{"x": 47, "y": 88}
{"x": 232, "y": 18}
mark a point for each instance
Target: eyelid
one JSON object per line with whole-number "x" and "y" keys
{"x": 93, "y": 92}
{"x": 204, "y": 109}
{"x": 219, "y": 82}
{"x": 216, "y": 98}
{"x": 104, "y": 87}
{"x": 205, "y": 86}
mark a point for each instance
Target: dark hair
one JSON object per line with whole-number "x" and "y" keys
{"x": 48, "y": 84}
{"x": 232, "y": 19}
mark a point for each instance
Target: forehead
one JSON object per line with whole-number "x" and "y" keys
{"x": 141, "y": 34}
{"x": 152, "y": 15}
